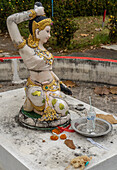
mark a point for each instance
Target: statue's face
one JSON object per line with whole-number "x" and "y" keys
{"x": 44, "y": 34}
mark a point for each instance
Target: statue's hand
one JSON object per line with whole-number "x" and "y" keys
{"x": 39, "y": 10}
{"x": 65, "y": 89}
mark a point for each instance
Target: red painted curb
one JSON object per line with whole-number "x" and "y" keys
{"x": 65, "y": 57}
{"x": 86, "y": 58}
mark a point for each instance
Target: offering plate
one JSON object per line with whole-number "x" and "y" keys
{"x": 102, "y": 127}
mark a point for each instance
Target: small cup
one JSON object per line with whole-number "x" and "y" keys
{"x": 80, "y": 107}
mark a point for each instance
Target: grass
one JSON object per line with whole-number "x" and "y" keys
{"x": 90, "y": 33}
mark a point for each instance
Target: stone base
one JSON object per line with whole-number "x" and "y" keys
{"x": 26, "y": 149}
{"x": 30, "y": 120}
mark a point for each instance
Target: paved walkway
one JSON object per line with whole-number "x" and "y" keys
{"x": 106, "y": 52}
{"x": 110, "y": 47}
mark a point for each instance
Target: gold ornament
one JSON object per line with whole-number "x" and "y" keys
{"x": 49, "y": 115}
{"x": 45, "y": 54}
{"x": 41, "y": 25}
{"x": 50, "y": 87}
{"x": 32, "y": 14}
{"x": 33, "y": 43}
{"x": 20, "y": 45}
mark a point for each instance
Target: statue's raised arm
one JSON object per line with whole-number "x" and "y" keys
{"x": 44, "y": 102}
{"x": 17, "y": 18}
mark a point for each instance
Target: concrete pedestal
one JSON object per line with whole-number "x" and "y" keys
{"x": 23, "y": 149}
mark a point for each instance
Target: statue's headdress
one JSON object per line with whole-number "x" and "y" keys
{"x": 39, "y": 22}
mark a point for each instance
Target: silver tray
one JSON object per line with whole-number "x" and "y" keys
{"x": 102, "y": 127}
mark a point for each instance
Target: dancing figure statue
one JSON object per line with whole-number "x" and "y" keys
{"x": 44, "y": 106}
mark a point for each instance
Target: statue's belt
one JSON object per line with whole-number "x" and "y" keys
{"x": 53, "y": 86}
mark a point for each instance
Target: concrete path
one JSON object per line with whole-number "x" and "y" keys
{"x": 23, "y": 149}
{"x": 110, "y": 47}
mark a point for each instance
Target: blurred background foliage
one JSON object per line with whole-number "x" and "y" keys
{"x": 65, "y": 11}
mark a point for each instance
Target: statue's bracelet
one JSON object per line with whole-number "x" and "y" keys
{"x": 32, "y": 14}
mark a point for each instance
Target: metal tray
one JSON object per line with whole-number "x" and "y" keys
{"x": 102, "y": 127}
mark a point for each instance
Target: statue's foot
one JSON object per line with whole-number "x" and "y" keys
{"x": 34, "y": 121}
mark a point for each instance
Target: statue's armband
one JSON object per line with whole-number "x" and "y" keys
{"x": 20, "y": 45}
{"x": 32, "y": 14}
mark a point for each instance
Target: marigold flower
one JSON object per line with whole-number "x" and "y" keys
{"x": 57, "y": 131}
{"x": 1, "y": 9}
{"x": 63, "y": 136}
{"x": 54, "y": 137}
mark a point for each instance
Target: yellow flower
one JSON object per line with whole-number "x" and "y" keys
{"x": 113, "y": 31}
{"x": 23, "y": 1}
{"x": 1, "y": 9}
{"x": 67, "y": 30}
{"x": 55, "y": 33}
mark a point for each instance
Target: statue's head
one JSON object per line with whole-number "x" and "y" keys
{"x": 39, "y": 29}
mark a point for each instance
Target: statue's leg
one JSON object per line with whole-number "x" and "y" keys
{"x": 60, "y": 105}
{"x": 56, "y": 110}
{"x": 36, "y": 98}
{"x": 27, "y": 105}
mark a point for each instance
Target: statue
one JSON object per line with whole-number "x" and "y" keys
{"x": 44, "y": 106}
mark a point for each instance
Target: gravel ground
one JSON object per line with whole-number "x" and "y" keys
{"x": 81, "y": 91}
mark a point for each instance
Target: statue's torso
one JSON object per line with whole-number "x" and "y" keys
{"x": 46, "y": 55}
{"x": 39, "y": 64}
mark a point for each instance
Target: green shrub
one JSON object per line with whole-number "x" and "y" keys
{"x": 63, "y": 26}
{"x": 24, "y": 5}
{"x": 73, "y": 8}
{"x": 112, "y": 25}
{"x": 6, "y": 8}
